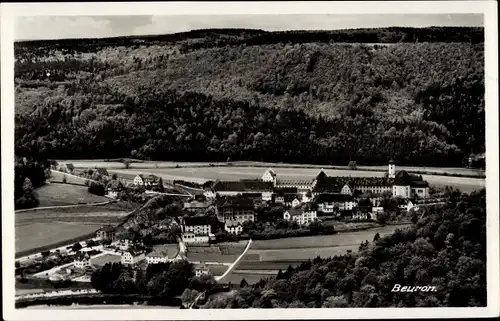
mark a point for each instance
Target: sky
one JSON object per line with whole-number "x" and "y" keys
{"x": 59, "y": 27}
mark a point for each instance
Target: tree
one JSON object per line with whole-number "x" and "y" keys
{"x": 97, "y": 188}
{"x": 91, "y": 243}
{"x": 27, "y": 186}
{"x": 64, "y": 179}
{"x": 76, "y": 247}
{"x": 243, "y": 283}
{"x": 126, "y": 163}
{"x": 376, "y": 237}
{"x": 352, "y": 165}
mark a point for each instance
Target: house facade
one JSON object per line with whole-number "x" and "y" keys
{"x": 201, "y": 270}
{"x": 234, "y": 188}
{"x": 106, "y": 233}
{"x": 190, "y": 238}
{"x": 82, "y": 260}
{"x": 156, "y": 257}
{"x": 237, "y": 209}
{"x": 233, "y": 227}
{"x": 331, "y": 203}
{"x": 132, "y": 257}
{"x": 300, "y": 215}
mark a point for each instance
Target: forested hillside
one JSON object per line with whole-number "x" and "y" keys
{"x": 416, "y": 95}
{"x": 445, "y": 248}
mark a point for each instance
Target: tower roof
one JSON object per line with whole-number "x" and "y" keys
{"x": 391, "y": 161}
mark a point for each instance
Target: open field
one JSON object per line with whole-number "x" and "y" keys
{"x": 70, "y": 179}
{"x": 262, "y": 165}
{"x": 222, "y": 254}
{"x": 106, "y": 258}
{"x": 320, "y": 241}
{"x": 203, "y": 174}
{"x": 56, "y": 194}
{"x": 46, "y": 227}
{"x": 235, "y": 278}
{"x": 216, "y": 270}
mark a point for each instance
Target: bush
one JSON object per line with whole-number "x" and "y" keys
{"x": 97, "y": 188}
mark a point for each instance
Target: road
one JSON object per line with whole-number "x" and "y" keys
{"x": 63, "y": 206}
{"x": 231, "y": 267}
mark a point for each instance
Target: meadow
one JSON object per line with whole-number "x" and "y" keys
{"x": 58, "y": 194}
{"x": 266, "y": 257}
{"x": 49, "y": 227}
{"x": 57, "y": 177}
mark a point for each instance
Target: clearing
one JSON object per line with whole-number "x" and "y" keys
{"x": 58, "y": 194}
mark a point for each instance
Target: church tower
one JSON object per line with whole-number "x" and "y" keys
{"x": 392, "y": 169}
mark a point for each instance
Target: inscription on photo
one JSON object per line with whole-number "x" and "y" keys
{"x": 400, "y": 288}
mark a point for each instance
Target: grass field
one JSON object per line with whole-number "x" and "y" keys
{"x": 224, "y": 253}
{"x": 56, "y": 194}
{"x": 106, "y": 258}
{"x": 41, "y": 228}
{"x": 70, "y": 179}
{"x": 262, "y": 165}
{"x": 217, "y": 270}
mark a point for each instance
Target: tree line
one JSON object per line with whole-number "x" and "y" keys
{"x": 445, "y": 248}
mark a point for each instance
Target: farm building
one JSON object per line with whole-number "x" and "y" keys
{"x": 190, "y": 237}
{"x": 148, "y": 181}
{"x": 269, "y": 176}
{"x": 363, "y": 213}
{"x": 197, "y": 225}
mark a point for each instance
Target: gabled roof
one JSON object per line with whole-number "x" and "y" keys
{"x": 196, "y": 204}
{"x": 303, "y": 182}
{"x": 233, "y": 223}
{"x": 196, "y": 221}
{"x": 295, "y": 211}
{"x": 270, "y": 171}
{"x": 134, "y": 252}
{"x": 330, "y": 198}
{"x": 81, "y": 256}
{"x": 419, "y": 184}
{"x": 158, "y": 253}
{"x": 238, "y": 202}
{"x": 321, "y": 174}
{"x": 285, "y": 190}
{"x": 243, "y": 186}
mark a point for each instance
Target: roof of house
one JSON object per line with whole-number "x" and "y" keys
{"x": 238, "y": 202}
{"x": 232, "y": 223}
{"x": 270, "y": 171}
{"x": 298, "y": 211}
{"x": 242, "y": 186}
{"x": 196, "y": 204}
{"x": 285, "y": 190}
{"x": 134, "y": 252}
{"x": 329, "y": 198}
{"x": 81, "y": 256}
{"x": 419, "y": 184}
{"x": 196, "y": 221}
{"x": 106, "y": 229}
{"x": 303, "y": 182}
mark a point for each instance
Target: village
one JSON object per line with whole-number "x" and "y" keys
{"x": 229, "y": 211}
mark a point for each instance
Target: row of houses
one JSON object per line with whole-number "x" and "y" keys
{"x": 270, "y": 188}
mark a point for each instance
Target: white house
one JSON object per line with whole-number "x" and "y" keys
{"x": 406, "y": 205}
{"x": 139, "y": 180}
{"x": 296, "y": 202}
{"x": 82, "y": 260}
{"x": 190, "y": 237}
{"x": 330, "y": 203}
{"x": 299, "y": 215}
{"x": 269, "y": 176}
{"x": 132, "y": 257}
{"x": 197, "y": 225}
{"x": 233, "y": 227}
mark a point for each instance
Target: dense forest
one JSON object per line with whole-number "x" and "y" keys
{"x": 445, "y": 248}
{"x": 29, "y": 173}
{"x": 213, "y": 95}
